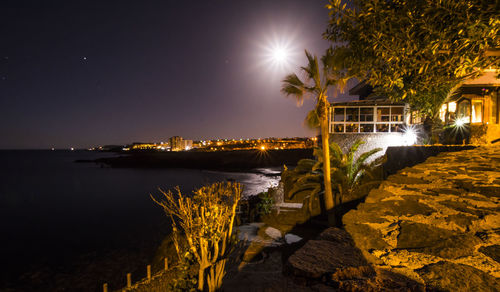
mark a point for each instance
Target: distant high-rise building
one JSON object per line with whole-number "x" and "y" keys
{"x": 176, "y": 143}
{"x": 179, "y": 144}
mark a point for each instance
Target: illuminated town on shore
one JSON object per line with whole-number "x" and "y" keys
{"x": 177, "y": 143}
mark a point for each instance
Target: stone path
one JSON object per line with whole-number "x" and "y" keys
{"x": 437, "y": 223}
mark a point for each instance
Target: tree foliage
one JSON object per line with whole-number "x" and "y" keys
{"x": 415, "y": 50}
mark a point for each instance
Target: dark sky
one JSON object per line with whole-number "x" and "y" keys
{"x": 86, "y": 73}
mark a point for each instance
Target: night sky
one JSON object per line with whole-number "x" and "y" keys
{"x": 87, "y": 73}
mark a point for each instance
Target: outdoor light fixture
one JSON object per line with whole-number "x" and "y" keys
{"x": 460, "y": 122}
{"x": 409, "y": 136}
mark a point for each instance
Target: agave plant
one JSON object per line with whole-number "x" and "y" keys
{"x": 348, "y": 173}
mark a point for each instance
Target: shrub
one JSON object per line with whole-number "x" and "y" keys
{"x": 206, "y": 221}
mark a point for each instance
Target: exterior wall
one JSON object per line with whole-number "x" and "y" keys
{"x": 484, "y": 133}
{"x": 372, "y": 140}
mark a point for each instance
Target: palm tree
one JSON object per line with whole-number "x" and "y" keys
{"x": 316, "y": 85}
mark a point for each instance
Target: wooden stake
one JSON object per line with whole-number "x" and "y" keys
{"x": 166, "y": 264}
{"x": 129, "y": 280}
{"x": 105, "y": 287}
{"x": 149, "y": 272}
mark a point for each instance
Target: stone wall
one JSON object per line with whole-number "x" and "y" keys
{"x": 484, "y": 133}
{"x": 437, "y": 223}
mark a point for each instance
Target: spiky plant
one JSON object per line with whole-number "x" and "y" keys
{"x": 206, "y": 220}
{"x": 348, "y": 173}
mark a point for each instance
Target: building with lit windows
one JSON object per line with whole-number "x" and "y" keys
{"x": 381, "y": 123}
{"x": 476, "y": 107}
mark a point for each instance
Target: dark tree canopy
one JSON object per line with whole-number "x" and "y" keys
{"x": 415, "y": 50}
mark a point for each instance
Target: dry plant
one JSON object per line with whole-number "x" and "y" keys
{"x": 206, "y": 220}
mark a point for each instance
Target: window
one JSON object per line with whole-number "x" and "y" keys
{"x": 352, "y": 114}
{"x": 494, "y": 108}
{"x": 397, "y": 114}
{"x": 383, "y": 114}
{"x": 366, "y": 114}
{"x": 463, "y": 110}
{"x": 477, "y": 111}
{"x": 366, "y": 128}
{"x": 338, "y": 114}
{"x": 353, "y": 119}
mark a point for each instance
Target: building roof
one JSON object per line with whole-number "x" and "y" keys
{"x": 368, "y": 102}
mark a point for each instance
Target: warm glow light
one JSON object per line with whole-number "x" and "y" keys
{"x": 460, "y": 122}
{"x": 452, "y": 107}
{"x": 409, "y": 136}
{"x": 262, "y": 147}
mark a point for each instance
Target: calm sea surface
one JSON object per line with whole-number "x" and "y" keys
{"x": 53, "y": 210}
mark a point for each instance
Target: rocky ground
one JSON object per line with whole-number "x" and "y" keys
{"x": 437, "y": 223}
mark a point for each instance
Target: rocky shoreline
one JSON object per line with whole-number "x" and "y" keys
{"x": 241, "y": 160}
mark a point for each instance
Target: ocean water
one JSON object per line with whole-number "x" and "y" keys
{"x": 53, "y": 210}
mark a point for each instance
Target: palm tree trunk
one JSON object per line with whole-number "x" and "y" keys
{"x": 329, "y": 204}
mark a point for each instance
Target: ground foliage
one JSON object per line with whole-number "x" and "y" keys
{"x": 417, "y": 51}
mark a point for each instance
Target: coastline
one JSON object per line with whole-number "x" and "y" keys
{"x": 231, "y": 161}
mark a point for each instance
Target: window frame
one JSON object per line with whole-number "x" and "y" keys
{"x": 344, "y": 124}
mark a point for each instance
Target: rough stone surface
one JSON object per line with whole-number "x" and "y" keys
{"x": 456, "y": 277}
{"x": 437, "y": 222}
{"x": 333, "y": 263}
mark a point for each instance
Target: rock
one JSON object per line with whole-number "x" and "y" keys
{"x": 336, "y": 235}
{"x": 292, "y": 238}
{"x": 437, "y": 222}
{"x": 453, "y": 247}
{"x": 249, "y": 231}
{"x": 320, "y": 258}
{"x": 273, "y": 233}
{"x": 365, "y": 237}
{"x": 493, "y": 251}
{"x": 456, "y": 277}
{"x": 417, "y": 235}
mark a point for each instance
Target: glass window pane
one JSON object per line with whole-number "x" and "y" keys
{"x": 463, "y": 111}
{"x": 352, "y": 114}
{"x": 397, "y": 128}
{"x": 338, "y": 114}
{"x": 494, "y": 108}
{"x": 397, "y": 114}
{"x": 351, "y": 128}
{"x": 383, "y": 128}
{"x": 366, "y": 114}
{"x": 383, "y": 114}
{"x": 338, "y": 128}
{"x": 366, "y": 128}
{"x": 477, "y": 111}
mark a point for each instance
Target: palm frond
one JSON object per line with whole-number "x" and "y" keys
{"x": 312, "y": 70}
{"x": 293, "y": 86}
{"x": 312, "y": 120}
{"x": 335, "y": 151}
{"x": 353, "y": 149}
